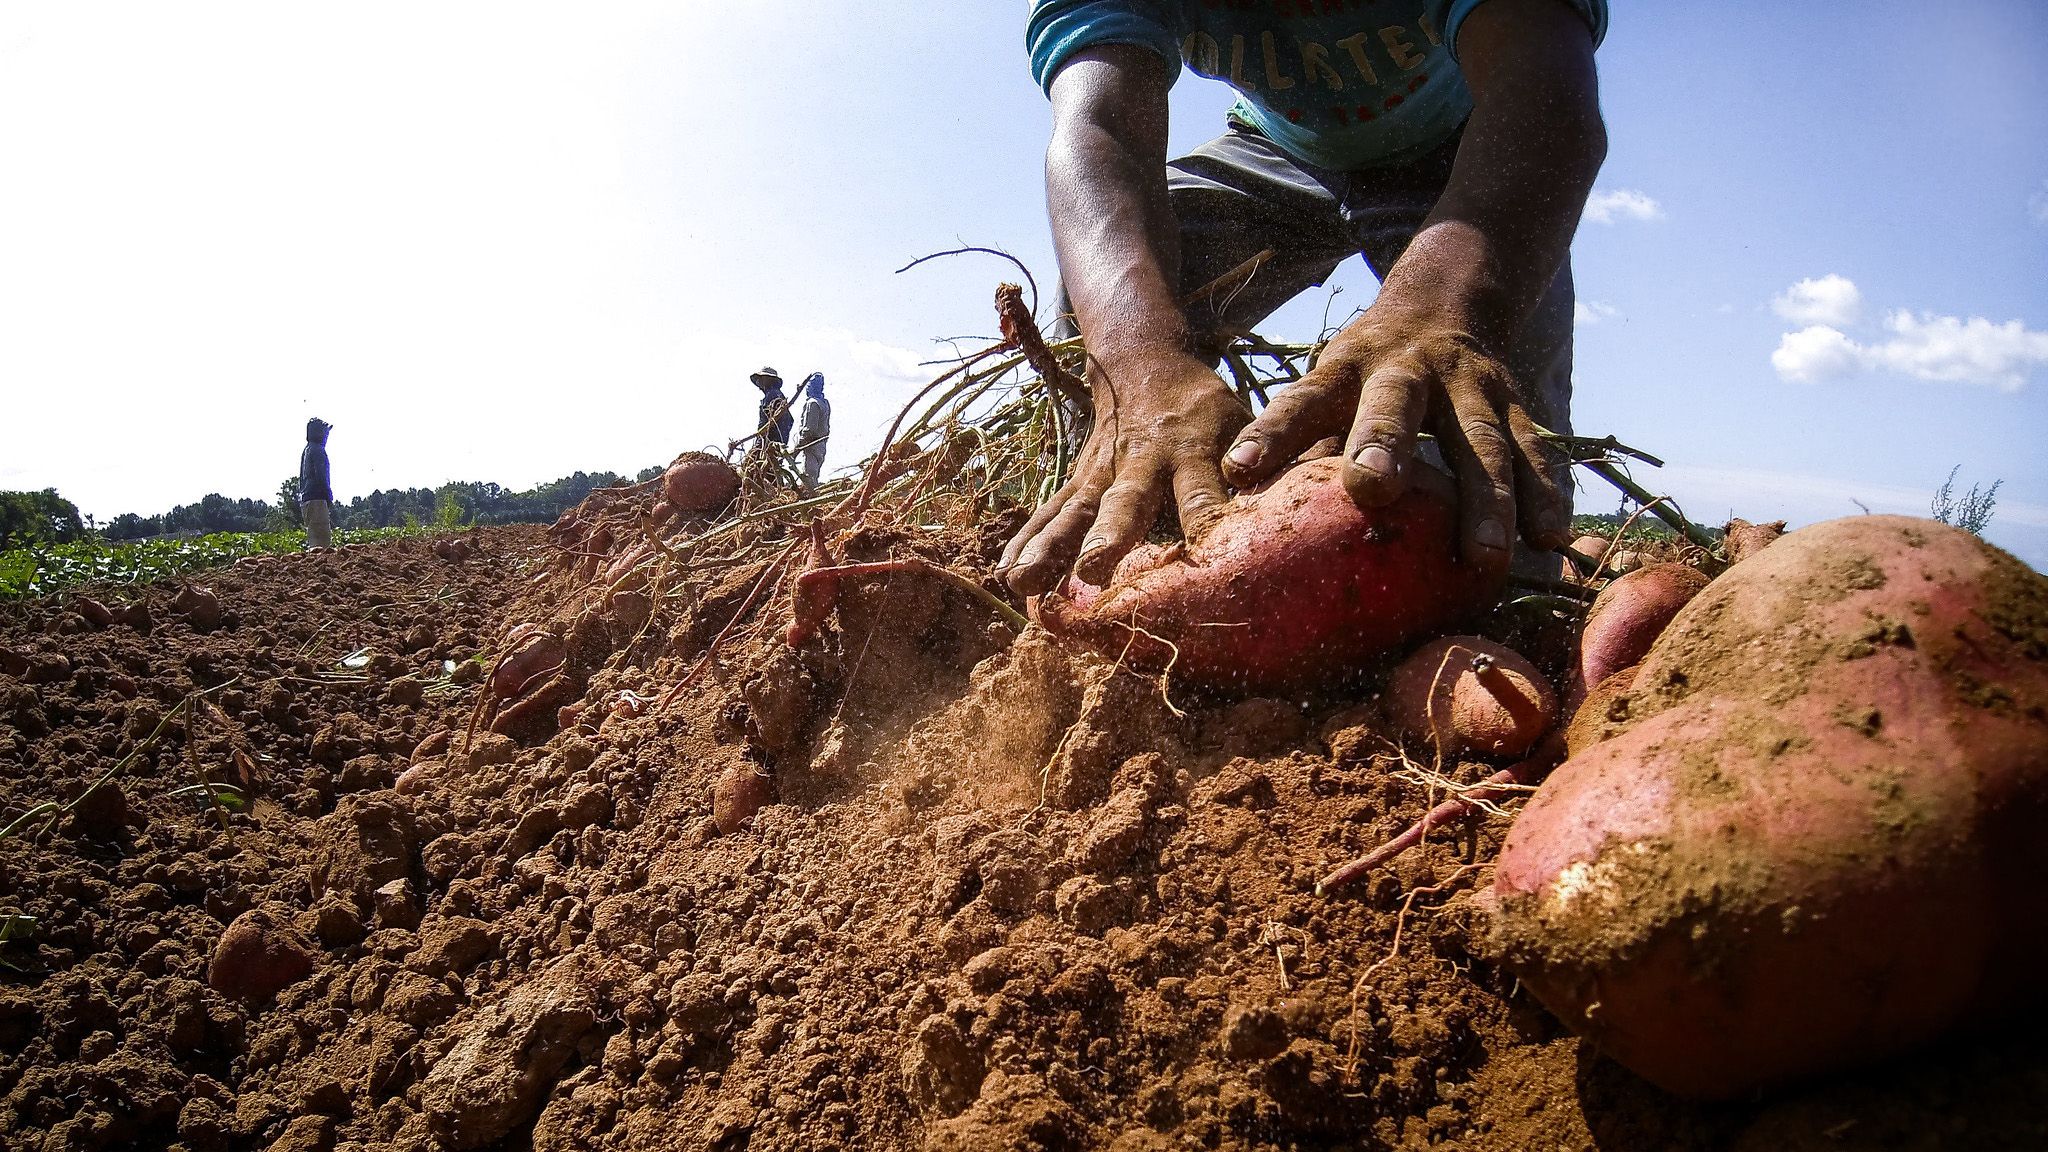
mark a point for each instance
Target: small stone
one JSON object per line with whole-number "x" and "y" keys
{"x": 741, "y": 791}
{"x": 395, "y": 906}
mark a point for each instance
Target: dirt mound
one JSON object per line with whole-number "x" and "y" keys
{"x": 1003, "y": 895}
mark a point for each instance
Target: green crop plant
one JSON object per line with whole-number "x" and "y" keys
{"x": 41, "y": 570}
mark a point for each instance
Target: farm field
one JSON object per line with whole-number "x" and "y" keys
{"x": 554, "y": 842}
{"x": 43, "y": 570}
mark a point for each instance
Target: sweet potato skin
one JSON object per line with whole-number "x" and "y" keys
{"x": 1629, "y": 614}
{"x": 1436, "y": 696}
{"x": 1294, "y": 585}
{"x": 1845, "y": 736}
{"x": 699, "y": 483}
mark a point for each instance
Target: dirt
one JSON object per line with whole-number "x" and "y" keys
{"x": 1003, "y": 895}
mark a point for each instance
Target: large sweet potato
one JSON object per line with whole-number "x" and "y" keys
{"x": 1295, "y": 584}
{"x": 1816, "y": 838}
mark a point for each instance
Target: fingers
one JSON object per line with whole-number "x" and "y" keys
{"x": 1479, "y": 451}
{"x": 1126, "y": 514}
{"x": 1543, "y": 478}
{"x": 1391, "y": 408}
{"x": 1199, "y": 495}
{"x": 1300, "y": 415}
{"x": 1031, "y": 528}
{"x": 1047, "y": 554}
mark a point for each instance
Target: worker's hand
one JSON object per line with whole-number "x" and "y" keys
{"x": 1393, "y": 373}
{"x": 1160, "y": 427}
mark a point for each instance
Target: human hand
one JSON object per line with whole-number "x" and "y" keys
{"x": 1160, "y": 426}
{"x": 1394, "y": 373}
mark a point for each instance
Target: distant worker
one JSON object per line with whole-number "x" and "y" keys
{"x": 813, "y": 428}
{"x": 773, "y": 422}
{"x": 316, "y": 491}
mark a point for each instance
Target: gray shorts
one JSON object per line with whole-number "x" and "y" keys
{"x": 1239, "y": 194}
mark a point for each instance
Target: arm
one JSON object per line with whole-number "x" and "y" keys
{"x": 1423, "y": 356}
{"x": 1161, "y": 415}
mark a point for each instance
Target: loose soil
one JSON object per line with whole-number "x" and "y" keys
{"x": 1003, "y": 895}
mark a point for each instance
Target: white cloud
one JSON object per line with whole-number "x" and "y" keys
{"x": 1832, "y": 300}
{"x": 1973, "y": 351}
{"x": 2037, "y": 204}
{"x": 1815, "y": 353}
{"x": 1619, "y": 203}
{"x": 1585, "y": 312}
{"x": 1927, "y": 347}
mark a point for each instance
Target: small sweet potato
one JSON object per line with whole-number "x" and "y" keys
{"x": 1629, "y": 614}
{"x": 699, "y": 483}
{"x": 531, "y": 652}
{"x": 96, "y": 614}
{"x": 1740, "y": 539}
{"x": 1467, "y": 694}
{"x": 1296, "y": 583}
{"x": 740, "y": 791}
{"x": 1815, "y": 838}
{"x": 1589, "y": 548}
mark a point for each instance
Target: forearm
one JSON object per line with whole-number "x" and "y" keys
{"x": 1112, "y": 228}
{"x": 1495, "y": 241}
{"x": 1504, "y": 223}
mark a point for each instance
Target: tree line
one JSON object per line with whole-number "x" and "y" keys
{"x": 32, "y": 518}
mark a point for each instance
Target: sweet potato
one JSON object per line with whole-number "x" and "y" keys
{"x": 699, "y": 483}
{"x": 1468, "y": 694}
{"x": 740, "y": 791}
{"x": 1740, "y": 539}
{"x": 1295, "y": 584}
{"x": 1816, "y": 838}
{"x": 531, "y": 652}
{"x": 1589, "y": 548}
{"x": 1605, "y": 706}
{"x": 1628, "y": 616}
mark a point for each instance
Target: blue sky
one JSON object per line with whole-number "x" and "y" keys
{"x": 503, "y": 242}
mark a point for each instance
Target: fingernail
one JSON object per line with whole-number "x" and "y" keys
{"x": 1246, "y": 454}
{"x": 1490, "y": 534}
{"x": 1376, "y": 459}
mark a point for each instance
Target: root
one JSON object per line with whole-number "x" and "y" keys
{"x": 811, "y": 582}
{"x": 1400, "y": 925}
{"x": 1502, "y": 783}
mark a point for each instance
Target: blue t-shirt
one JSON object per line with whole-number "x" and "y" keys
{"x": 1336, "y": 83}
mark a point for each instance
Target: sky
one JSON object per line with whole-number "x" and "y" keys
{"x": 510, "y": 241}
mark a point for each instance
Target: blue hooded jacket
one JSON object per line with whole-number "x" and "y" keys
{"x": 314, "y": 483}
